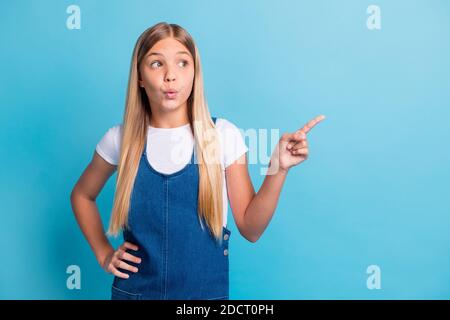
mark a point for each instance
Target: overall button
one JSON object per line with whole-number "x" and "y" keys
{"x": 225, "y": 252}
{"x": 225, "y": 237}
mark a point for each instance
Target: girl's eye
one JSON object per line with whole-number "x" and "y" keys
{"x": 153, "y": 63}
{"x": 156, "y": 63}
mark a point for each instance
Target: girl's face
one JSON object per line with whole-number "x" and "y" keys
{"x": 167, "y": 74}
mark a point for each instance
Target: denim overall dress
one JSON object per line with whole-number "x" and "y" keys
{"x": 179, "y": 258}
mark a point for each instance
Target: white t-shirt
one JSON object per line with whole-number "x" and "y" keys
{"x": 170, "y": 149}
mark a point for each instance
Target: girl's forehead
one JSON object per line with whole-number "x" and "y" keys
{"x": 168, "y": 46}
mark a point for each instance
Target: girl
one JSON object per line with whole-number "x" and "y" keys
{"x": 166, "y": 190}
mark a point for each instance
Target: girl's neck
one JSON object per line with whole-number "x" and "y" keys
{"x": 169, "y": 120}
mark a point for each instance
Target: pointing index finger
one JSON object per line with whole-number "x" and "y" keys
{"x": 311, "y": 124}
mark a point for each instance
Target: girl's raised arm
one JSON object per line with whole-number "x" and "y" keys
{"x": 253, "y": 211}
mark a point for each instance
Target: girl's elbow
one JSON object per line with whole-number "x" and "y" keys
{"x": 245, "y": 231}
{"x": 250, "y": 238}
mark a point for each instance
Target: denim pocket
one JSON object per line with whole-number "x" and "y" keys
{"x": 119, "y": 294}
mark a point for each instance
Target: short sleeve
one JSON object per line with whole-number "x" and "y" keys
{"x": 109, "y": 145}
{"x": 233, "y": 144}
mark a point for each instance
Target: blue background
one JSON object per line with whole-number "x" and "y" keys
{"x": 374, "y": 190}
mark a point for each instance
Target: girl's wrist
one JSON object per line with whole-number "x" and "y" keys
{"x": 104, "y": 255}
{"x": 275, "y": 168}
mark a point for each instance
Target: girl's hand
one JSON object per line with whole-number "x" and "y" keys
{"x": 292, "y": 149}
{"x": 115, "y": 260}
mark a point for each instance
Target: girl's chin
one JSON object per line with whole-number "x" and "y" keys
{"x": 170, "y": 105}
{"x": 168, "y": 102}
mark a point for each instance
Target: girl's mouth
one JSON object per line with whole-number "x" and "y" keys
{"x": 172, "y": 94}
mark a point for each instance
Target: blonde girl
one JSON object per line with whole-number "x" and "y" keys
{"x": 177, "y": 169}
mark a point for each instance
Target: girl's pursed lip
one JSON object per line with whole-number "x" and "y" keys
{"x": 170, "y": 91}
{"x": 169, "y": 94}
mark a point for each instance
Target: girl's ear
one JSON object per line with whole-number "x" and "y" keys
{"x": 140, "y": 82}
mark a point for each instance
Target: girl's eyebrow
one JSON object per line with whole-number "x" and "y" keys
{"x": 160, "y": 54}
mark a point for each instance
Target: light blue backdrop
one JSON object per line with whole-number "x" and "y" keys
{"x": 373, "y": 192}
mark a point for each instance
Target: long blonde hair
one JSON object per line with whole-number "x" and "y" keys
{"x": 134, "y": 129}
